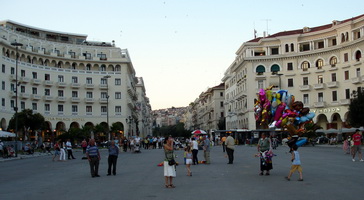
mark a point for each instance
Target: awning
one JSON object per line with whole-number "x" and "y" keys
{"x": 260, "y": 68}
{"x": 274, "y": 68}
{"x": 6, "y": 134}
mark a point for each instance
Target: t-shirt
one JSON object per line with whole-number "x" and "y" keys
{"x": 206, "y": 145}
{"x": 297, "y": 160}
{"x": 194, "y": 145}
{"x": 357, "y": 139}
{"x": 92, "y": 151}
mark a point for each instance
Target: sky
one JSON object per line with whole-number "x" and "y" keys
{"x": 180, "y": 47}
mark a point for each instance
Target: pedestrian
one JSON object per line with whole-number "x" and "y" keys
{"x": 296, "y": 163}
{"x": 169, "y": 166}
{"x": 357, "y": 145}
{"x": 194, "y": 145}
{"x": 264, "y": 146}
{"x": 84, "y": 146}
{"x": 57, "y": 151}
{"x": 69, "y": 149}
{"x": 230, "y": 147}
{"x": 125, "y": 144}
{"x": 206, "y": 149}
{"x": 188, "y": 153}
{"x": 48, "y": 147}
{"x": 93, "y": 156}
{"x": 112, "y": 159}
{"x": 62, "y": 156}
{"x": 223, "y": 139}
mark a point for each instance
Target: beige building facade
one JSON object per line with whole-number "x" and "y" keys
{"x": 321, "y": 66}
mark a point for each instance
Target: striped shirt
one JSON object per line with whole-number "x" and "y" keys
{"x": 92, "y": 151}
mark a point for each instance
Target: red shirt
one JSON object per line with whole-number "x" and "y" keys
{"x": 357, "y": 139}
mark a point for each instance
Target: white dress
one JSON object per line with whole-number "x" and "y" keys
{"x": 169, "y": 170}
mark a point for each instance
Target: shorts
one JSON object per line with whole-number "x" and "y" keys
{"x": 296, "y": 168}
{"x": 357, "y": 148}
{"x": 188, "y": 161}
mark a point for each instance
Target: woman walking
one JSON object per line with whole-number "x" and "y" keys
{"x": 62, "y": 157}
{"x": 57, "y": 150}
{"x": 169, "y": 168}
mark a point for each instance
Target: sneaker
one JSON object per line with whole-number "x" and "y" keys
{"x": 300, "y": 179}
{"x": 361, "y": 160}
{"x": 353, "y": 160}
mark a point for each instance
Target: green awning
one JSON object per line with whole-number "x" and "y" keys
{"x": 274, "y": 68}
{"x": 260, "y": 68}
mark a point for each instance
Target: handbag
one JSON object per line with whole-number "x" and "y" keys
{"x": 171, "y": 162}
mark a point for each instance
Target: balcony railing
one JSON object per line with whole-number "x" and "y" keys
{"x": 89, "y": 86}
{"x": 318, "y": 86}
{"x": 89, "y": 100}
{"x": 320, "y": 104}
{"x": 355, "y": 80}
{"x": 61, "y": 84}
{"x": 305, "y": 87}
{"x": 75, "y": 99}
{"x": 36, "y": 81}
{"x": 36, "y": 97}
{"x": 344, "y": 101}
{"x": 75, "y": 85}
{"x": 332, "y": 84}
{"x": 48, "y": 83}
{"x": 61, "y": 99}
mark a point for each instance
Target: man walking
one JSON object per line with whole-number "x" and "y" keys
{"x": 69, "y": 149}
{"x": 357, "y": 145}
{"x": 113, "y": 157}
{"x": 206, "y": 149}
{"x": 93, "y": 156}
{"x": 230, "y": 147}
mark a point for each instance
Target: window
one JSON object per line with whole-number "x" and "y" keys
{"x": 47, "y": 92}
{"x": 221, "y": 104}
{"x": 289, "y": 66}
{"x": 275, "y": 51}
{"x": 89, "y": 109}
{"x": 22, "y": 73}
{"x": 12, "y": 70}
{"x": 333, "y": 77}
{"x": 12, "y": 103}
{"x": 290, "y": 82}
{"x": 34, "y": 90}
{"x": 88, "y": 80}
{"x": 87, "y": 55}
{"x": 22, "y": 89}
{"x": 346, "y": 75}
{"x": 274, "y": 69}
{"x": 3, "y": 102}
{"x": 292, "y": 47}
{"x": 117, "y": 81}
{"x": 103, "y": 109}
{"x": 103, "y": 68}
{"x": 305, "y": 99}
{"x": 12, "y": 87}
{"x": 118, "y": 110}
{"x": 35, "y": 75}
{"x": 89, "y": 95}
{"x": 75, "y": 94}
{"x": 221, "y": 94}
{"x": 103, "y": 81}
{"x": 34, "y": 106}
{"x": 60, "y": 108}
{"x": 74, "y": 79}
{"x": 346, "y": 57}
{"x": 3, "y": 85}
{"x": 305, "y": 47}
{"x": 73, "y": 54}
{"x": 102, "y": 56}
{"x": 260, "y": 84}
{"x": 319, "y": 63}
{"x": 305, "y": 65}
{"x": 334, "y": 42}
{"x": 357, "y": 55}
{"x": 305, "y": 80}
{"x": 60, "y": 93}
{"x": 103, "y": 95}
{"x": 22, "y": 105}
{"x": 47, "y": 77}
{"x": 320, "y": 45}
{"x": 347, "y": 93}
{"x": 320, "y": 97}
{"x": 334, "y": 95}
{"x": 47, "y": 107}
{"x": 60, "y": 78}
{"x": 117, "y": 95}
{"x": 333, "y": 61}
{"x": 260, "y": 70}
{"x": 74, "y": 108}
{"x": 320, "y": 79}
{"x": 286, "y": 47}
{"x": 3, "y": 68}
{"x": 88, "y": 67}
{"x": 357, "y": 72}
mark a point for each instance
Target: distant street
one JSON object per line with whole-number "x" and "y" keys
{"x": 327, "y": 172}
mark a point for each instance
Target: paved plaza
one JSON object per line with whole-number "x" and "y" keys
{"x": 327, "y": 172}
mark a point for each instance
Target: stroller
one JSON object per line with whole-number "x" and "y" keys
{"x": 137, "y": 147}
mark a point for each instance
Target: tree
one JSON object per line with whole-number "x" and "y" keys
{"x": 356, "y": 107}
{"x": 27, "y": 121}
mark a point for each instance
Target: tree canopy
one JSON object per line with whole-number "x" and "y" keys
{"x": 356, "y": 108}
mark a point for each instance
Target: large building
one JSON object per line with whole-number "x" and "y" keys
{"x": 71, "y": 81}
{"x": 321, "y": 66}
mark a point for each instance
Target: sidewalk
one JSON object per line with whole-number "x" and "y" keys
{"x": 23, "y": 156}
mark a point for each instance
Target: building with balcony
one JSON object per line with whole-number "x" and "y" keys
{"x": 71, "y": 81}
{"x": 321, "y": 66}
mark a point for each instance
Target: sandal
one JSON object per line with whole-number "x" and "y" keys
{"x": 261, "y": 174}
{"x": 167, "y": 186}
{"x": 171, "y": 186}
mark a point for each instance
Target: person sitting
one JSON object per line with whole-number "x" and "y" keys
{"x": 28, "y": 149}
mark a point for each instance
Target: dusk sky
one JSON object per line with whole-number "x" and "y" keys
{"x": 179, "y": 47}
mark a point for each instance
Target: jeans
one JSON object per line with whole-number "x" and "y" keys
{"x": 194, "y": 156}
{"x": 230, "y": 153}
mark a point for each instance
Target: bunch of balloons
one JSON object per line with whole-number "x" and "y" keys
{"x": 280, "y": 110}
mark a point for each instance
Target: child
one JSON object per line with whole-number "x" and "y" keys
{"x": 188, "y": 160}
{"x": 296, "y": 163}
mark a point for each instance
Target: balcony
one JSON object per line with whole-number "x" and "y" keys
{"x": 25, "y": 79}
{"x": 103, "y": 100}
{"x": 333, "y": 84}
{"x": 75, "y": 99}
{"x": 321, "y": 104}
{"x": 36, "y": 81}
{"x": 344, "y": 102}
{"x": 89, "y": 100}
{"x": 305, "y": 87}
{"x": 48, "y": 83}
{"x": 61, "y": 84}
{"x": 48, "y": 98}
{"x": 103, "y": 86}
{"x": 61, "y": 99}
{"x": 89, "y": 86}
{"x": 318, "y": 86}
{"x": 36, "y": 97}
{"x": 75, "y": 85}
{"x": 24, "y": 95}
{"x": 355, "y": 80}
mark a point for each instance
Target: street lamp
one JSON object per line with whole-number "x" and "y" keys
{"x": 129, "y": 120}
{"x": 107, "y": 105}
{"x": 279, "y": 76}
{"x": 16, "y": 44}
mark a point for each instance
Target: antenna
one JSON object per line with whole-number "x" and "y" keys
{"x": 267, "y": 20}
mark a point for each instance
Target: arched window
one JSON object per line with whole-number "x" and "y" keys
{"x": 260, "y": 70}
{"x": 286, "y": 47}
{"x": 274, "y": 69}
{"x": 333, "y": 61}
{"x": 342, "y": 37}
{"x": 319, "y": 63}
{"x": 305, "y": 65}
{"x": 357, "y": 55}
{"x": 292, "y": 47}
{"x": 103, "y": 68}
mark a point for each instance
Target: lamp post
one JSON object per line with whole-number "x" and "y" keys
{"x": 16, "y": 44}
{"x": 279, "y": 76}
{"x": 129, "y": 120}
{"x": 107, "y": 105}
